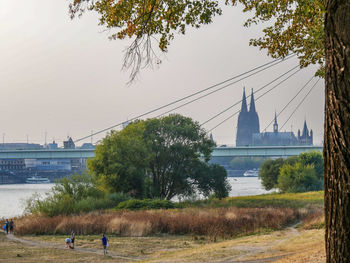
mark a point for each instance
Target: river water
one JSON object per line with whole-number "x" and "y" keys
{"x": 12, "y": 197}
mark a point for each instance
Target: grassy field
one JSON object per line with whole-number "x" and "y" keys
{"x": 232, "y": 229}
{"x": 288, "y": 200}
{"x": 290, "y": 245}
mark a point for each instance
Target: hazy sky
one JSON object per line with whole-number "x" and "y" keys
{"x": 64, "y": 77}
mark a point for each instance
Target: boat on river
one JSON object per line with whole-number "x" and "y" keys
{"x": 37, "y": 180}
{"x": 251, "y": 173}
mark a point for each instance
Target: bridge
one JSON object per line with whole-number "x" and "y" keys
{"x": 246, "y": 151}
{"x": 264, "y": 151}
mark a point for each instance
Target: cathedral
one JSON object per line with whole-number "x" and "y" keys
{"x": 248, "y": 130}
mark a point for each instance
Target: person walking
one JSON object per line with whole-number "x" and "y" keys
{"x": 7, "y": 226}
{"x": 104, "y": 243}
{"x": 72, "y": 239}
{"x": 11, "y": 226}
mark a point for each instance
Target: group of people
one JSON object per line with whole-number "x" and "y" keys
{"x": 70, "y": 242}
{"x": 9, "y": 225}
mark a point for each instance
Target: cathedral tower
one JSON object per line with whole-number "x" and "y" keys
{"x": 248, "y": 122}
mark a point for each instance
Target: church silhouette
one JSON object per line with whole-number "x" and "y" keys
{"x": 248, "y": 129}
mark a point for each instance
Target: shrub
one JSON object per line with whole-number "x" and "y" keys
{"x": 135, "y": 204}
{"x": 298, "y": 178}
{"x": 117, "y": 198}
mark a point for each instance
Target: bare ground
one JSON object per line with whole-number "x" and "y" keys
{"x": 289, "y": 245}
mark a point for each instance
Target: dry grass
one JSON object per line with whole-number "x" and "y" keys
{"x": 288, "y": 246}
{"x": 14, "y": 252}
{"x": 314, "y": 220}
{"x": 218, "y": 222}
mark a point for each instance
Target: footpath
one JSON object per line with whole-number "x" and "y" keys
{"x": 77, "y": 249}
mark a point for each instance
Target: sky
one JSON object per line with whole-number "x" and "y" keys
{"x": 61, "y": 77}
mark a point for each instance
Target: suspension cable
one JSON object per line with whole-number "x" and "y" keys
{"x": 255, "y": 100}
{"x": 266, "y": 65}
{"x": 301, "y": 102}
{"x": 300, "y": 90}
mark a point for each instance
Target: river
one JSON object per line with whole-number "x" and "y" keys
{"x": 13, "y": 196}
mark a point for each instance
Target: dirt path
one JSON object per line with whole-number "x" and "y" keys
{"x": 248, "y": 253}
{"x": 78, "y": 249}
{"x": 251, "y": 251}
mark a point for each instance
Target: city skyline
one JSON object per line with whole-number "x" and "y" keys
{"x": 60, "y": 77}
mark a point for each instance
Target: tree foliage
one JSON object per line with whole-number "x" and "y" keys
{"x": 145, "y": 20}
{"x": 120, "y": 161}
{"x": 269, "y": 173}
{"x": 296, "y": 26}
{"x": 295, "y": 174}
{"x": 74, "y": 194}
{"x": 159, "y": 158}
{"x": 298, "y": 178}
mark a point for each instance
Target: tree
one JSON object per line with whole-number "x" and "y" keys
{"x": 120, "y": 161}
{"x": 269, "y": 173}
{"x": 298, "y": 25}
{"x": 294, "y": 174}
{"x": 298, "y": 178}
{"x": 336, "y": 150}
{"x": 143, "y": 20}
{"x": 158, "y": 158}
{"x": 210, "y": 179}
{"x": 315, "y": 20}
{"x": 316, "y": 159}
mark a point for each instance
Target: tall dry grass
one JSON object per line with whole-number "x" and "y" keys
{"x": 213, "y": 222}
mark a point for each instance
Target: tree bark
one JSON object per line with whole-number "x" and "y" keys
{"x": 337, "y": 131}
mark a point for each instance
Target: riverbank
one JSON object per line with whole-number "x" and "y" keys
{"x": 242, "y": 229}
{"x": 13, "y": 196}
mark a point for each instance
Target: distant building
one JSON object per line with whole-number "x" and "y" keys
{"x": 248, "y": 130}
{"x": 275, "y": 137}
{"x": 69, "y": 144}
{"x": 12, "y": 165}
{"x": 306, "y": 138}
{"x": 52, "y": 145}
{"x": 248, "y": 122}
{"x": 48, "y": 164}
{"x": 20, "y": 146}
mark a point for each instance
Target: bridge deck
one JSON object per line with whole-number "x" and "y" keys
{"x": 268, "y": 151}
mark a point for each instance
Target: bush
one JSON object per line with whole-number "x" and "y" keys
{"x": 117, "y": 198}
{"x": 295, "y": 174}
{"x": 298, "y": 178}
{"x": 136, "y": 204}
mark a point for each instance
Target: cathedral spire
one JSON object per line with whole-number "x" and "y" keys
{"x": 244, "y": 102}
{"x": 252, "y": 103}
{"x": 305, "y": 129}
{"x": 275, "y": 125}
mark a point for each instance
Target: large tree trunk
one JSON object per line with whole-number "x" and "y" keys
{"x": 337, "y": 131}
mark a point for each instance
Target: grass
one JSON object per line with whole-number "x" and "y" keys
{"x": 215, "y": 218}
{"x": 185, "y": 235}
{"x": 212, "y": 222}
{"x": 11, "y": 251}
{"x": 290, "y": 200}
{"x": 294, "y": 245}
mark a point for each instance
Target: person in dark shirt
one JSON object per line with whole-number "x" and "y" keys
{"x": 72, "y": 239}
{"x": 104, "y": 243}
{"x": 7, "y": 226}
{"x": 11, "y": 226}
